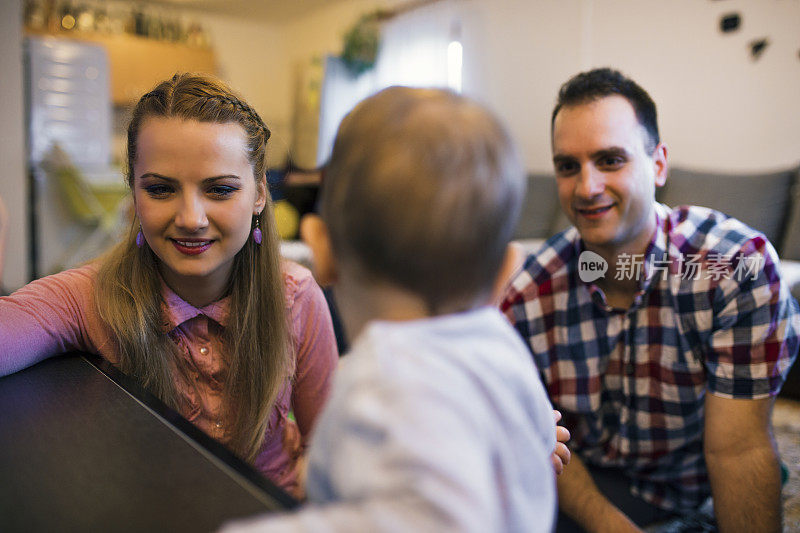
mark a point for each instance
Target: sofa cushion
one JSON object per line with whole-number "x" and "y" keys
{"x": 790, "y": 247}
{"x": 759, "y": 200}
{"x": 539, "y": 208}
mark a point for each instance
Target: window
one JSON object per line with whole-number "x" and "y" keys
{"x": 419, "y": 48}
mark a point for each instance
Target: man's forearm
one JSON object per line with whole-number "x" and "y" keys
{"x": 746, "y": 487}
{"x": 579, "y": 498}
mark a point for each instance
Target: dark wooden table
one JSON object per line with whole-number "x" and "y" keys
{"x": 83, "y": 449}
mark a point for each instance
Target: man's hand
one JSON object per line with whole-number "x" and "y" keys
{"x": 561, "y": 455}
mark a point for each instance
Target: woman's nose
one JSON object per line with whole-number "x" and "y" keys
{"x": 191, "y": 214}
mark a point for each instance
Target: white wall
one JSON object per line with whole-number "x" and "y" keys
{"x": 321, "y": 32}
{"x": 718, "y": 109}
{"x": 13, "y": 180}
{"x": 253, "y": 59}
{"x": 516, "y": 54}
{"x": 266, "y": 61}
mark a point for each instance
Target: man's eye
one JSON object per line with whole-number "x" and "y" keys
{"x": 566, "y": 168}
{"x": 158, "y": 190}
{"x": 222, "y": 191}
{"x": 611, "y": 161}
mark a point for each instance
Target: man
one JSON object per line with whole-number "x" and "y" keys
{"x": 662, "y": 334}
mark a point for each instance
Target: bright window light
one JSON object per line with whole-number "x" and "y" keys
{"x": 454, "y": 60}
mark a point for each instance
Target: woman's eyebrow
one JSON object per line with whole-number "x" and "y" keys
{"x": 205, "y": 180}
{"x": 222, "y": 177}
{"x": 156, "y": 175}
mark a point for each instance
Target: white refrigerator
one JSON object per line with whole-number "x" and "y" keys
{"x": 68, "y": 103}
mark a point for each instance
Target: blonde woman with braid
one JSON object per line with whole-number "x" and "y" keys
{"x": 196, "y": 303}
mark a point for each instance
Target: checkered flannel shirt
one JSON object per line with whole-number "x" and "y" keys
{"x": 631, "y": 383}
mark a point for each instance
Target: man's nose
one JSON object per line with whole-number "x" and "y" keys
{"x": 591, "y": 182}
{"x": 191, "y": 214}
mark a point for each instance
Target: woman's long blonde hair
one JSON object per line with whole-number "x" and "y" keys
{"x": 258, "y": 348}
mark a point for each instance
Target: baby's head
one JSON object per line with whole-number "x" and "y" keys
{"x": 422, "y": 191}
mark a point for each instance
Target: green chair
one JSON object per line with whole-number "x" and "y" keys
{"x": 100, "y": 207}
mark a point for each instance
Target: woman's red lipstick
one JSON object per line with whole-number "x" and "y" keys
{"x": 191, "y": 246}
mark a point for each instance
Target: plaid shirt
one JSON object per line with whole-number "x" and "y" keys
{"x": 711, "y": 315}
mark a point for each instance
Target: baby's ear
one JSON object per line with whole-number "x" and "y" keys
{"x": 314, "y": 233}
{"x": 512, "y": 263}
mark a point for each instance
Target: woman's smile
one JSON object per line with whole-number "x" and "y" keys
{"x": 192, "y": 246}
{"x": 196, "y": 196}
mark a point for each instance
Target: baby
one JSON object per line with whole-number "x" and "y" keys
{"x": 438, "y": 420}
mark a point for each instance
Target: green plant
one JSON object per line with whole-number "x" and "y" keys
{"x": 361, "y": 43}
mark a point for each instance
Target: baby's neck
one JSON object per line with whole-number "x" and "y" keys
{"x": 360, "y": 302}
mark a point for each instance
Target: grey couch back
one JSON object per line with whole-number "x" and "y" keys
{"x": 762, "y": 201}
{"x": 790, "y": 247}
{"x": 768, "y": 202}
{"x": 539, "y": 209}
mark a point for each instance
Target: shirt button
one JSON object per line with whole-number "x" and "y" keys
{"x": 204, "y": 350}
{"x": 218, "y": 424}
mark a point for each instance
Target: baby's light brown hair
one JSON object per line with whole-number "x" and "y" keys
{"x": 423, "y": 190}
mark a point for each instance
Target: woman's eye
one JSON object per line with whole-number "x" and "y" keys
{"x": 222, "y": 191}
{"x": 158, "y": 190}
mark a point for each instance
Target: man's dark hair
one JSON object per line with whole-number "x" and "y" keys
{"x": 601, "y": 82}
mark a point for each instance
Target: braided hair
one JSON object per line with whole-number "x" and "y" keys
{"x": 203, "y": 98}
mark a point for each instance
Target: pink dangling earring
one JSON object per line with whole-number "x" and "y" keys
{"x": 257, "y": 231}
{"x": 139, "y": 238}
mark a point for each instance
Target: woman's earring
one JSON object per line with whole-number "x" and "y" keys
{"x": 139, "y": 238}
{"x": 256, "y": 230}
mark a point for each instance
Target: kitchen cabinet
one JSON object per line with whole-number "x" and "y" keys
{"x": 138, "y": 63}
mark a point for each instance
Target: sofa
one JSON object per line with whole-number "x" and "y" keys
{"x": 768, "y": 202}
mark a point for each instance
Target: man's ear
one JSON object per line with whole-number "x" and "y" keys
{"x": 512, "y": 263}
{"x": 661, "y": 166}
{"x": 315, "y": 234}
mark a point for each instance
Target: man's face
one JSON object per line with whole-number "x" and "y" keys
{"x": 605, "y": 176}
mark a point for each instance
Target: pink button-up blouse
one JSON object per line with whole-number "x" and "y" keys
{"x": 57, "y": 314}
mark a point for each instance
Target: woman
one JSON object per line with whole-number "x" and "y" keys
{"x": 196, "y": 303}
